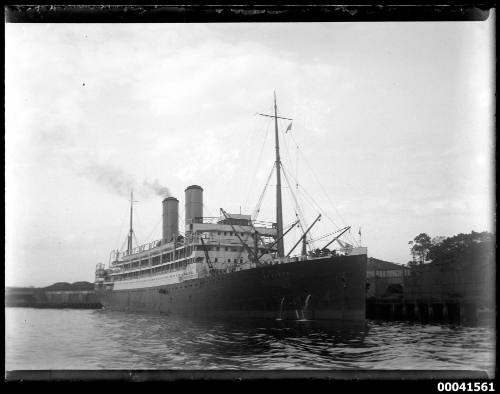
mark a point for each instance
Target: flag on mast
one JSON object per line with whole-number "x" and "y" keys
{"x": 288, "y": 128}
{"x": 359, "y": 232}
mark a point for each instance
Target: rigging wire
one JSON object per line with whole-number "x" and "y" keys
{"x": 285, "y": 144}
{"x": 297, "y": 178}
{"x": 257, "y": 164}
{"x": 318, "y": 207}
{"x": 290, "y": 187}
{"x": 300, "y": 215}
{"x": 249, "y": 153}
{"x": 126, "y": 236}
{"x": 121, "y": 229}
{"x": 181, "y": 216}
{"x": 299, "y": 150}
{"x": 123, "y": 245}
{"x": 287, "y": 226}
{"x": 256, "y": 211}
{"x": 289, "y": 160}
{"x": 208, "y": 210}
{"x": 326, "y": 235}
{"x": 302, "y": 222}
{"x": 137, "y": 224}
{"x": 316, "y": 178}
{"x": 154, "y": 229}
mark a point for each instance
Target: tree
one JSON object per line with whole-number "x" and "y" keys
{"x": 420, "y": 247}
{"x": 474, "y": 245}
{"x": 437, "y": 240}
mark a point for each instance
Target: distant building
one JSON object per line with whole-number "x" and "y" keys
{"x": 385, "y": 279}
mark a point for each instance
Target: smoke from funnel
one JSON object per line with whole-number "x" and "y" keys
{"x": 116, "y": 180}
{"x": 159, "y": 189}
{"x": 113, "y": 178}
{"x": 89, "y": 165}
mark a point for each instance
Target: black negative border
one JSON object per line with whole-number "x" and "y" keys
{"x": 243, "y": 13}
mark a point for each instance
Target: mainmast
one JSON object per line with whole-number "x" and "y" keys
{"x": 279, "y": 207}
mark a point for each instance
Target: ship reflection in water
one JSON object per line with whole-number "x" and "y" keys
{"x": 102, "y": 339}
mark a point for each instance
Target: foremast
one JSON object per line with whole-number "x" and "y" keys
{"x": 279, "y": 206}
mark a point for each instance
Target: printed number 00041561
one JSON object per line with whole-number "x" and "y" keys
{"x": 469, "y": 386}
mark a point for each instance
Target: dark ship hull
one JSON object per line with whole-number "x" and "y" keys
{"x": 328, "y": 288}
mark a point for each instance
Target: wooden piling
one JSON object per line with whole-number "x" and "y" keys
{"x": 416, "y": 312}
{"x": 445, "y": 312}
{"x": 462, "y": 314}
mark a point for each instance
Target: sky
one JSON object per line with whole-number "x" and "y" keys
{"x": 392, "y": 132}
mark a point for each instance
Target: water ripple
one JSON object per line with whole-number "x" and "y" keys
{"x": 83, "y": 339}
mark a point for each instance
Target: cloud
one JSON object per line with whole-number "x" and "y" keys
{"x": 164, "y": 106}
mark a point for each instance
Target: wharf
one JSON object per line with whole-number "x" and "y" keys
{"x": 464, "y": 312}
{"x": 461, "y": 292}
{"x": 32, "y": 297}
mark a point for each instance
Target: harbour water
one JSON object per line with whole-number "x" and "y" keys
{"x": 102, "y": 339}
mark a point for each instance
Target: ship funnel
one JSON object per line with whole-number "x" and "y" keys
{"x": 194, "y": 205}
{"x": 170, "y": 219}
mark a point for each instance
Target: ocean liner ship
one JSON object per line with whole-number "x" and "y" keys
{"x": 234, "y": 266}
